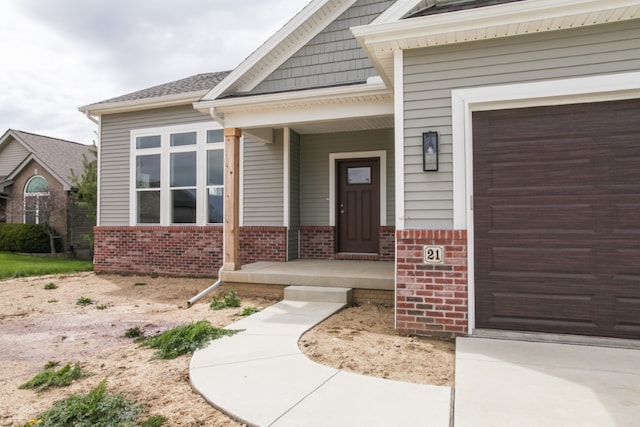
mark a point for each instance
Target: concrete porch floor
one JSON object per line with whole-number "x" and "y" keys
{"x": 306, "y": 272}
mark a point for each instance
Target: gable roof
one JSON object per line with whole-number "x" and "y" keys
{"x": 178, "y": 92}
{"x": 312, "y": 19}
{"x": 495, "y": 19}
{"x": 58, "y": 156}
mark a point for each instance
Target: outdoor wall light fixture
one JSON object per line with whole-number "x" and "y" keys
{"x": 430, "y": 151}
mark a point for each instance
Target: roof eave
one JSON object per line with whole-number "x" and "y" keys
{"x": 143, "y": 104}
{"x": 380, "y": 40}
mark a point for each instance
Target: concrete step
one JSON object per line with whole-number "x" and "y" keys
{"x": 318, "y": 294}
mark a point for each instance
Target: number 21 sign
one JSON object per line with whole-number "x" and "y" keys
{"x": 434, "y": 255}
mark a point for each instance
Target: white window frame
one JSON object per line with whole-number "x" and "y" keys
{"x": 39, "y": 195}
{"x": 165, "y": 150}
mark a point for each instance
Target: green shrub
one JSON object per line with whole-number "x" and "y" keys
{"x": 185, "y": 339}
{"x": 134, "y": 332}
{"x": 52, "y": 378}
{"x": 50, "y": 286}
{"x": 95, "y": 409}
{"x": 27, "y": 238}
{"x": 225, "y": 300}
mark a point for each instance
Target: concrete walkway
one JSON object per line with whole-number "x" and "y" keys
{"x": 260, "y": 377}
{"x": 516, "y": 383}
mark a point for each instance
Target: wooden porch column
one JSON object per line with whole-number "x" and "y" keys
{"x": 232, "y": 260}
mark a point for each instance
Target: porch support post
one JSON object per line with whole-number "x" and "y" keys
{"x": 232, "y": 260}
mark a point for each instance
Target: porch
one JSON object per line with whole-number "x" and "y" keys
{"x": 371, "y": 281}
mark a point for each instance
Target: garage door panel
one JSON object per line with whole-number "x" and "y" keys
{"x": 557, "y": 219}
{"x": 535, "y": 215}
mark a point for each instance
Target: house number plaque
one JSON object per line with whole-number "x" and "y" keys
{"x": 434, "y": 254}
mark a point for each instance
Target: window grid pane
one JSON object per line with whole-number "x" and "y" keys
{"x": 148, "y": 207}
{"x": 183, "y": 169}
{"x": 152, "y": 141}
{"x": 183, "y": 206}
{"x": 215, "y": 205}
{"x": 179, "y": 139}
{"x": 215, "y": 167}
{"x": 148, "y": 171}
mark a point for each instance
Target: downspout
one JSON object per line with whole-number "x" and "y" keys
{"x": 207, "y": 291}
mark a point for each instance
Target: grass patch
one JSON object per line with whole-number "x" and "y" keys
{"x": 19, "y": 265}
{"x": 51, "y": 301}
{"x": 102, "y": 307}
{"x": 96, "y": 409}
{"x": 248, "y": 311}
{"x": 49, "y": 377}
{"x": 225, "y": 300}
{"x": 50, "y": 286}
{"x": 185, "y": 339}
{"x": 84, "y": 301}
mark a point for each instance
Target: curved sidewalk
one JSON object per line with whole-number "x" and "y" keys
{"x": 261, "y": 377}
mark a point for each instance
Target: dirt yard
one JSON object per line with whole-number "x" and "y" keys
{"x": 39, "y": 325}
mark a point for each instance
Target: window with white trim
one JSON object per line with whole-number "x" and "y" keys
{"x": 177, "y": 175}
{"x": 36, "y": 200}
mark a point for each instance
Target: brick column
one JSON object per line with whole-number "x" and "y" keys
{"x": 232, "y": 260}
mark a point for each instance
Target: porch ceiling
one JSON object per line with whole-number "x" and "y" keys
{"x": 346, "y": 125}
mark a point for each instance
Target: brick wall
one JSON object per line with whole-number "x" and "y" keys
{"x": 263, "y": 244}
{"x": 180, "y": 250}
{"x": 387, "y": 243}
{"x": 317, "y": 242}
{"x": 166, "y": 251}
{"x": 432, "y": 299}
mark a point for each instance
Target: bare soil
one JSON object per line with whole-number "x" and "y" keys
{"x": 39, "y": 325}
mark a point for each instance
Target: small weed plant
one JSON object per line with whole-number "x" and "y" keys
{"x": 51, "y": 301}
{"x": 94, "y": 409}
{"x": 225, "y": 300}
{"x": 154, "y": 421}
{"x": 135, "y": 332}
{"x": 50, "y": 377}
{"x": 185, "y": 339}
{"x": 84, "y": 301}
{"x": 102, "y": 307}
{"x": 50, "y": 286}
{"x": 248, "y": 311}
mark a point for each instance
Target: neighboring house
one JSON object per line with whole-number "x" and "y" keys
{"x": 489, "y": 147}
{"x": 35, "y": 186}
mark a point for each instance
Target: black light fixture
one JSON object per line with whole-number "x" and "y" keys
{"x": 430, "y": 151}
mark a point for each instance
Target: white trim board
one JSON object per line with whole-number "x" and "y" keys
{"x": 602, "y": 88}
{"x": 382, "y": 155}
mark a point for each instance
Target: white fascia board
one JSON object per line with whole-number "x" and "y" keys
{"x": 303, "y": 106}
{"x": 270, "y": 46}
{"x": 515, "y": 18}
{"x": 396, "y": 11}
{"x": 143, "y": 104}
{"x": 284, "y": 116}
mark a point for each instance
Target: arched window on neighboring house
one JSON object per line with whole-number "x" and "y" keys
{"x": 36, "y": 200}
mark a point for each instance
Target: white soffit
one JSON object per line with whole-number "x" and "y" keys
{"x": 280, "y": 47}
{"x": 380, "y": 40}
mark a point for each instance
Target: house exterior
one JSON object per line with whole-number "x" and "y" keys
{"x": 488, "y": 147}
{"x": 35, "y": 177}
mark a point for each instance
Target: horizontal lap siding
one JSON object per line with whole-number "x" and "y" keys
{"x": 430, "y": 75}
{"x": 315, "y": 150}
{"x": 332, "y": 57}
{"x": 263, "y": 178}
{"x": 114, "y": 150}
{"x": 11, "y": 155}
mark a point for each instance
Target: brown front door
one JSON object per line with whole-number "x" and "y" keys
{"x": 358, "y": 207}
{"x": 557, "y": 219}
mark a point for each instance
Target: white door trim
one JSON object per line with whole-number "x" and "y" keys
{"x": 382, "y": 155}
{"x": 464, "y": 102}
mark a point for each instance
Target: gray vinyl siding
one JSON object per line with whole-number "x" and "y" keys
{"x": 333, "y": 57}
{"x": 114, "y": 151}
{"x": 431, "y": 73}
{"x": 294, "y": 198}
{"x": 11, "y": 156}
{"x": 263, "y": 176}
{"x": 314, "y": 164}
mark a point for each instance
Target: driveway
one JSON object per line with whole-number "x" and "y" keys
{"x": 516, "y": 383}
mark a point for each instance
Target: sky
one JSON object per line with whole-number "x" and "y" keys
{"x": 58, "y": 55}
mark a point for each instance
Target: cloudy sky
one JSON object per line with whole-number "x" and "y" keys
{"x": 58, "y": 55}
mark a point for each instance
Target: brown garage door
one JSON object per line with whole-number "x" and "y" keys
{"x": 557, "y": 219}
